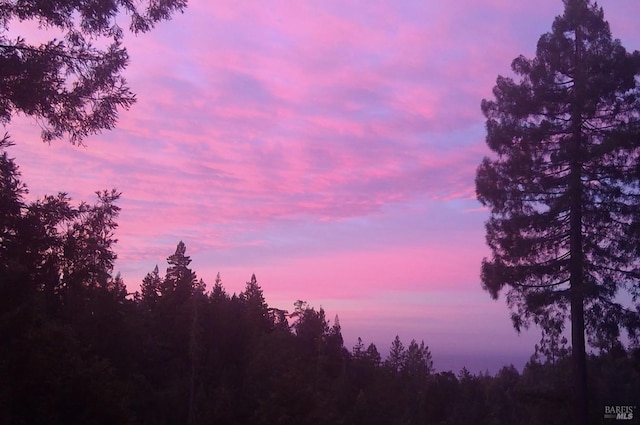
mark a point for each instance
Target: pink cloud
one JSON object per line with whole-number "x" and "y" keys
{"x": 329, "y": 147}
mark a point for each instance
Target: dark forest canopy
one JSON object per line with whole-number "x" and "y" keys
{"x": 76, "y": 349}
{"x": 71, "y": 85}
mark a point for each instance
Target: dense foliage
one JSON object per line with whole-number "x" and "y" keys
{"x": 77, "y": 349}
{"x": 72, "y": 84}
{"x": 563, "y": 187}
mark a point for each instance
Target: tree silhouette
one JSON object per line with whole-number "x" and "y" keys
{"x": 180, "y": 281}
{"x": 396, "y": 356}
{"x": 150, "y": 288}
{"x": 68, "y": 84}
{"x": 255, "y": 307}
{"x": 563, "y": 186}
{"x": 59, "y": 305}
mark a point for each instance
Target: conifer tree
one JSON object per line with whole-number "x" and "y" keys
{"x": 150, "y": 288}
{"x": 396, "y": 356}
{"x": 179, "y": 280}
{"x": 417, "y": 360}
{"x": 373, "y": 355}
{"x": 70, "y": 84}
{"x": 563, "y": 187}
{"x": 255, "y": 306}
{"x": 358, "y": 350}
{"x": 218, "y": 293}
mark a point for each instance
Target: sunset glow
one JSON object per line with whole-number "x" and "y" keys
{"x": 329, "y": 147}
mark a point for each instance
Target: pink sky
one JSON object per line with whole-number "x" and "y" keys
{"x": 329, "y": 147}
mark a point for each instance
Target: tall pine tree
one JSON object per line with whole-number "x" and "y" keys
{"x": 563, "y": 186}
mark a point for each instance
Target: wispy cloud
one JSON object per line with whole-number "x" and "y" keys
{"x": 328, "y": 146}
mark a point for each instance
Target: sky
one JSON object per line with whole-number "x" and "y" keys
{"x": 329, "y": 147}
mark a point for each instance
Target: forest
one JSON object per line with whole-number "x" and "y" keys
{"x": 79, "y": 349}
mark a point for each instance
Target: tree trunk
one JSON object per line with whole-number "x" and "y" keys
{"x": 577, "y": 316}
{"x": 576, "y": 265}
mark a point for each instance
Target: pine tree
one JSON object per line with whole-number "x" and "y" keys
{"x": 563, "y": 186}
{"x": 150, "y": 288}
{"x": 417, "y": 360}
{"x": 218, "y": 293}
{"x": 255, "y": 306}
{"x": 68, "y": 83}
{"x": 358, "y": 350}
{"x": 397, "y": 353}
{"x": 180, "y": 281}
{"x": 373, "y": 355}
